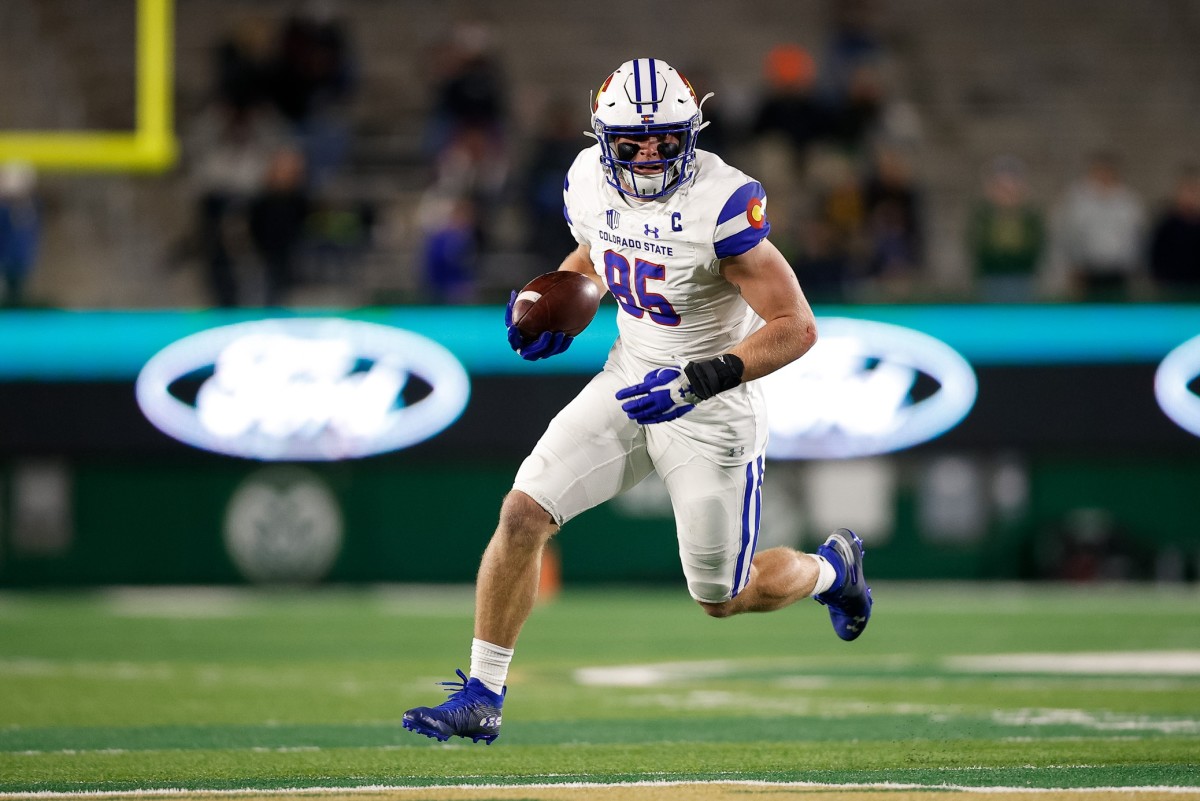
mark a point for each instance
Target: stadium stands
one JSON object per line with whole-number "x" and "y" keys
{"x": 1045, "y": 82}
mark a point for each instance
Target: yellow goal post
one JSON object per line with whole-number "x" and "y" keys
{"x": 150, "y": 147}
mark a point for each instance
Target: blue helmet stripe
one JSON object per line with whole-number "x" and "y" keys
{"x": 653, "y": 86}
{"x": 637, "y": 83}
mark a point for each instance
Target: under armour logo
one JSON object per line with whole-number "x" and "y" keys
{"x": 614, "y": 218}
{"x": 651, "y": 231}
{"x": 738, "y": 451}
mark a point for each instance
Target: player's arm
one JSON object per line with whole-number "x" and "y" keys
{"x": 579, "y": 260}
{"x": 768, "y": 284}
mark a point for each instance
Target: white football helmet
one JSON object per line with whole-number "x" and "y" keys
{"x": 647, "y": 96}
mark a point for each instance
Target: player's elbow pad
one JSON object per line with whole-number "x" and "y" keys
{"x": 714, "y": 375}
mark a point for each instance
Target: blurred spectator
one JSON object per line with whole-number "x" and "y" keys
{"x": 313, "y": 67}
{"x": 469, "y": 96}
{"x": 338, "y": 237}
{"x": 20, "y": 228}
{"x": 1099, "y": 233}
{"x": 1006, "y": 235}
{"x": 242, "y": 65}
{"x": 790, "y": 108}
{"x": 820, "y": 262}
{"x": 228, "y": 149}
{"x": 277, "y": 216}
{"x": 468, "y": 131}
{"x": 840, "y": 215}
{"x": 312, "y": 78}
{"x": 1175, "y": 241}
{"x": 893, "y": 223}
{"x": 552, "y": 153}
{"x": 861, "y": 109}
{"x": 471, "y": 167}
{"x": 859, "y": 114}
{"x": 451, "y": 251}
{"x": 789, "y": 120}
{"x": 853, "y": 42}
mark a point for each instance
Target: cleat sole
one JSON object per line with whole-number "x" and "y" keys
{"x": 441, "y": 737}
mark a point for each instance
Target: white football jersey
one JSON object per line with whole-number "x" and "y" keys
{"x": 661, "y": 261}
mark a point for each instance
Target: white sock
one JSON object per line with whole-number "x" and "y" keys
{"x": 489, "y": 664}
{"x": 827, "y": 576}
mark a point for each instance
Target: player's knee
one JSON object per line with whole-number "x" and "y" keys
{"x": 523, "y": 522}
{"x": 722, "y": 609}
{"x": 703, "y": 590}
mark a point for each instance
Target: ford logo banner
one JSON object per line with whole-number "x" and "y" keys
{"x": 866, "y": 388}
{"x": 1172, "y": 386}
{"x": 302, "y": 389}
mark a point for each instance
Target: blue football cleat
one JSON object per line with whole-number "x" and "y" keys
{"x": 472, "y": 710}
{"x": 850, "y": 604}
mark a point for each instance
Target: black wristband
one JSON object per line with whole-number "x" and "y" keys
{"x": 715, "y": 375}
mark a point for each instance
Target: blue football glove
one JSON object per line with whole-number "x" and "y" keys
{"x": 550, "y": 343}
{"x": 665, "y": 394}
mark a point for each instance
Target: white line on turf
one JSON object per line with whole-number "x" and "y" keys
{"x": 1101, "y": 663}
{"x": 1175, "y": 664}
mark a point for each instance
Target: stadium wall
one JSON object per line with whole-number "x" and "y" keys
{"x": 1065, "y": 465}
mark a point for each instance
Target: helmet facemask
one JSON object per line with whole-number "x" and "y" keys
{"x": 647, "y": 98}
{"x": 670, "y": 164}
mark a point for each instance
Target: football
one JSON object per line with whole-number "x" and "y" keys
{"x": 559, "y": 301}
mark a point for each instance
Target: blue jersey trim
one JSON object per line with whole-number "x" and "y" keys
{"x": 753, "y": 494}
{"x": 739, "y": 200}
{"x": 742, "y": 241}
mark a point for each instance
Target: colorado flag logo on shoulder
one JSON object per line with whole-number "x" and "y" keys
{"x": 756, "y": 212}
{"x": 742, "y": 222}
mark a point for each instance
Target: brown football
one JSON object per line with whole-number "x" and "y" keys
{"x": 559, "y": 301}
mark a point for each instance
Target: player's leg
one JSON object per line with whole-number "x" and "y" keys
{"x": 717, "y": 512}
{"x": 590, "y": 452}
{"x": 833, "y": 576}
{"x": 778, "y": 577}
{"x": 717, "y": 509}
{"x": 507, "y": 584}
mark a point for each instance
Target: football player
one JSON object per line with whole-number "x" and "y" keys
{"x": 705, "y": 305}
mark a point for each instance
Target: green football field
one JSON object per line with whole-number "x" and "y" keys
{"x": 975, "y": 686}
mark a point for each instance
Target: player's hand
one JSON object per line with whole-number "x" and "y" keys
{"x": 550, "y": 343}
{"x": 665, "y": 394}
